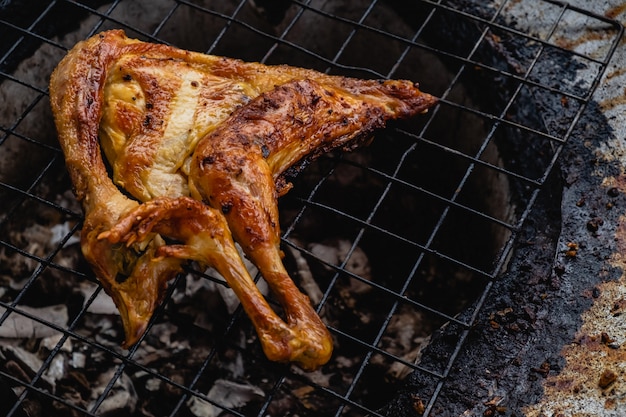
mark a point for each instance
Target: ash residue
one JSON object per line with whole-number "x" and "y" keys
{"x": 534, "y": 310}
{"x": 501, "y": 357}
{"x": 560, "y": 259}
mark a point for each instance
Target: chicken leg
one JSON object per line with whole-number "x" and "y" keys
{"x": 303, "y": 339}
{"x": 129, "y": 274}
{"x": 236, "y": 168}
{"x": 175, "y": 124}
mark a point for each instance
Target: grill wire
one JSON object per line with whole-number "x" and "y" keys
{"x": 418, "y": 202}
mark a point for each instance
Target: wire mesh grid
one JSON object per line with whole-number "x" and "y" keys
{"x": 400, "y": 236}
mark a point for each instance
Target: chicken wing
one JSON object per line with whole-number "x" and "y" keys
{"x": 202, "y": 144}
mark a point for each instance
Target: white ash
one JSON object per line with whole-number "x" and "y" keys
{"x": 236, "y": 365}
{"x": 68, "y": 201}
{"x": 16, "y": 268}
{"x": 404, "y": 338}
{"x": 354, "y": 260}
{"x": 28, "y": 362}
{"x": 49, "y": 343}
{"x": 59, "y": 232}
{"x": 307, "y": 281}
{"x": 122, "y": 399}
{"x": 338, "y": 252}
{"x": 20, "y": 326}
{"x": 78, "y": 360}
{"x": 153, "y": 384}
{"x": 193, "y": 284}
{"x": 56, "y": 369}
{"x": 227, "y": 394}
{"x": 39, "y": 240}
{"x": 230, "y": 299}
{"x": 102, "y": 304}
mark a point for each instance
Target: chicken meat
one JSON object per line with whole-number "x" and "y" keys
{"x": 197, "y": 149}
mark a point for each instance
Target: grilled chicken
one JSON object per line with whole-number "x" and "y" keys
{"x": 198, "y": 147}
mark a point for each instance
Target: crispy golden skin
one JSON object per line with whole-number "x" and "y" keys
{"x": 201, "y": 143}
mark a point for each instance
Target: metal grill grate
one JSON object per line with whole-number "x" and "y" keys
{"x": 401, "y": 236}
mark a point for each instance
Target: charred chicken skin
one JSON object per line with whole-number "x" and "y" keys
{"x": 198, "y": 148}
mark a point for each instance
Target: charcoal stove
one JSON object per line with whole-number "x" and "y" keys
{"x": 467, "y": 262}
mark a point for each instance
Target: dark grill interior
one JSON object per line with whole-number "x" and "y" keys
{"x": 400, "y": 236}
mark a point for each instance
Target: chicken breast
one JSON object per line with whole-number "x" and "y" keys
{"x": 198, "y": 147}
